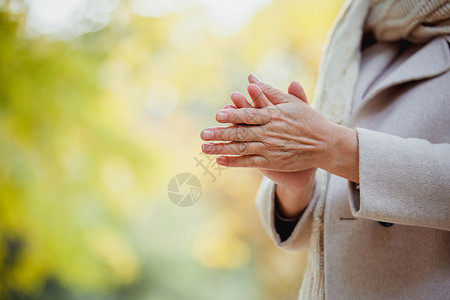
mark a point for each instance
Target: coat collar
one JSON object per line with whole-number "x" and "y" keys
{"x": 431, "y": 60}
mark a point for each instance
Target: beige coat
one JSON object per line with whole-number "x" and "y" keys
{"x": 403, "y": 126}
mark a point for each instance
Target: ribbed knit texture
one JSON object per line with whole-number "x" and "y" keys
{"x": 412, "y": 20}
{"x": 417, "y": 21}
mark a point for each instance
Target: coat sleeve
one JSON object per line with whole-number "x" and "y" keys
{"x": 300, "y": 236}
{"x": 402, "y": 181}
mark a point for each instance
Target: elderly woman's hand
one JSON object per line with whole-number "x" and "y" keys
{"x": 298, "y": 181}
{"x": 285, "y": 138}
{"x": 293, "y": 189}
{"x": 286, "y": 135}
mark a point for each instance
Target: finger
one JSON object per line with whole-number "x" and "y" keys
{"x": 235, "y": 133}
{"x": 297, "y": 90}
{"x": 251, "y": 116}
{"x": 259, "y": 99}
{"x": 274, "y": 95}
{"x": 239, "y": 100}
{"x": 229, "y": 106}
{"x": 247, "y": 161}
{"x": 233, "y": 148}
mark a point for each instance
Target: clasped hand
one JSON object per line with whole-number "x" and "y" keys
{"x": 280, "y": 133}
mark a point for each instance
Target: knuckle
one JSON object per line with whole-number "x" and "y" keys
{"x": 275, "y": 113}
{"x": 251, "y": 116}
{"x": 241, "y": 133}
{"x": 248, "y": 161}
{"x": 242, "y": 148}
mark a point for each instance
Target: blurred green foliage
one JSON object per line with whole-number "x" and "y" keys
{"x": 93, "y": 128}
{"x": 54, "y": 141}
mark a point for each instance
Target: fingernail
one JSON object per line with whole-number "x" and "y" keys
{"x": 222, "y": 160}
{"x": 221, "y": 116}
{"x": 208, "y": 147}
{"x": 207, "y": 134}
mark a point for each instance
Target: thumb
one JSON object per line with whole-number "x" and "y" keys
{"x": 297, "y": 90}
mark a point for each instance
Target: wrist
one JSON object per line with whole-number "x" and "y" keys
{"x": 292, "y": 202}
{"x": 341, "y": 155}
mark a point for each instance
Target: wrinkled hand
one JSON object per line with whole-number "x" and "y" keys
{"x": 286, "y": 134}
{"x": 297, "y": 180}
{"x": 286, "y": 139}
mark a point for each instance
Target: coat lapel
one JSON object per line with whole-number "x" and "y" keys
{"x": 431, "y": 60}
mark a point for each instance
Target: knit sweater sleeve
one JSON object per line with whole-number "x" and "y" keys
{"x": 402, "y": 181}
{"x": 300, "y": 236}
